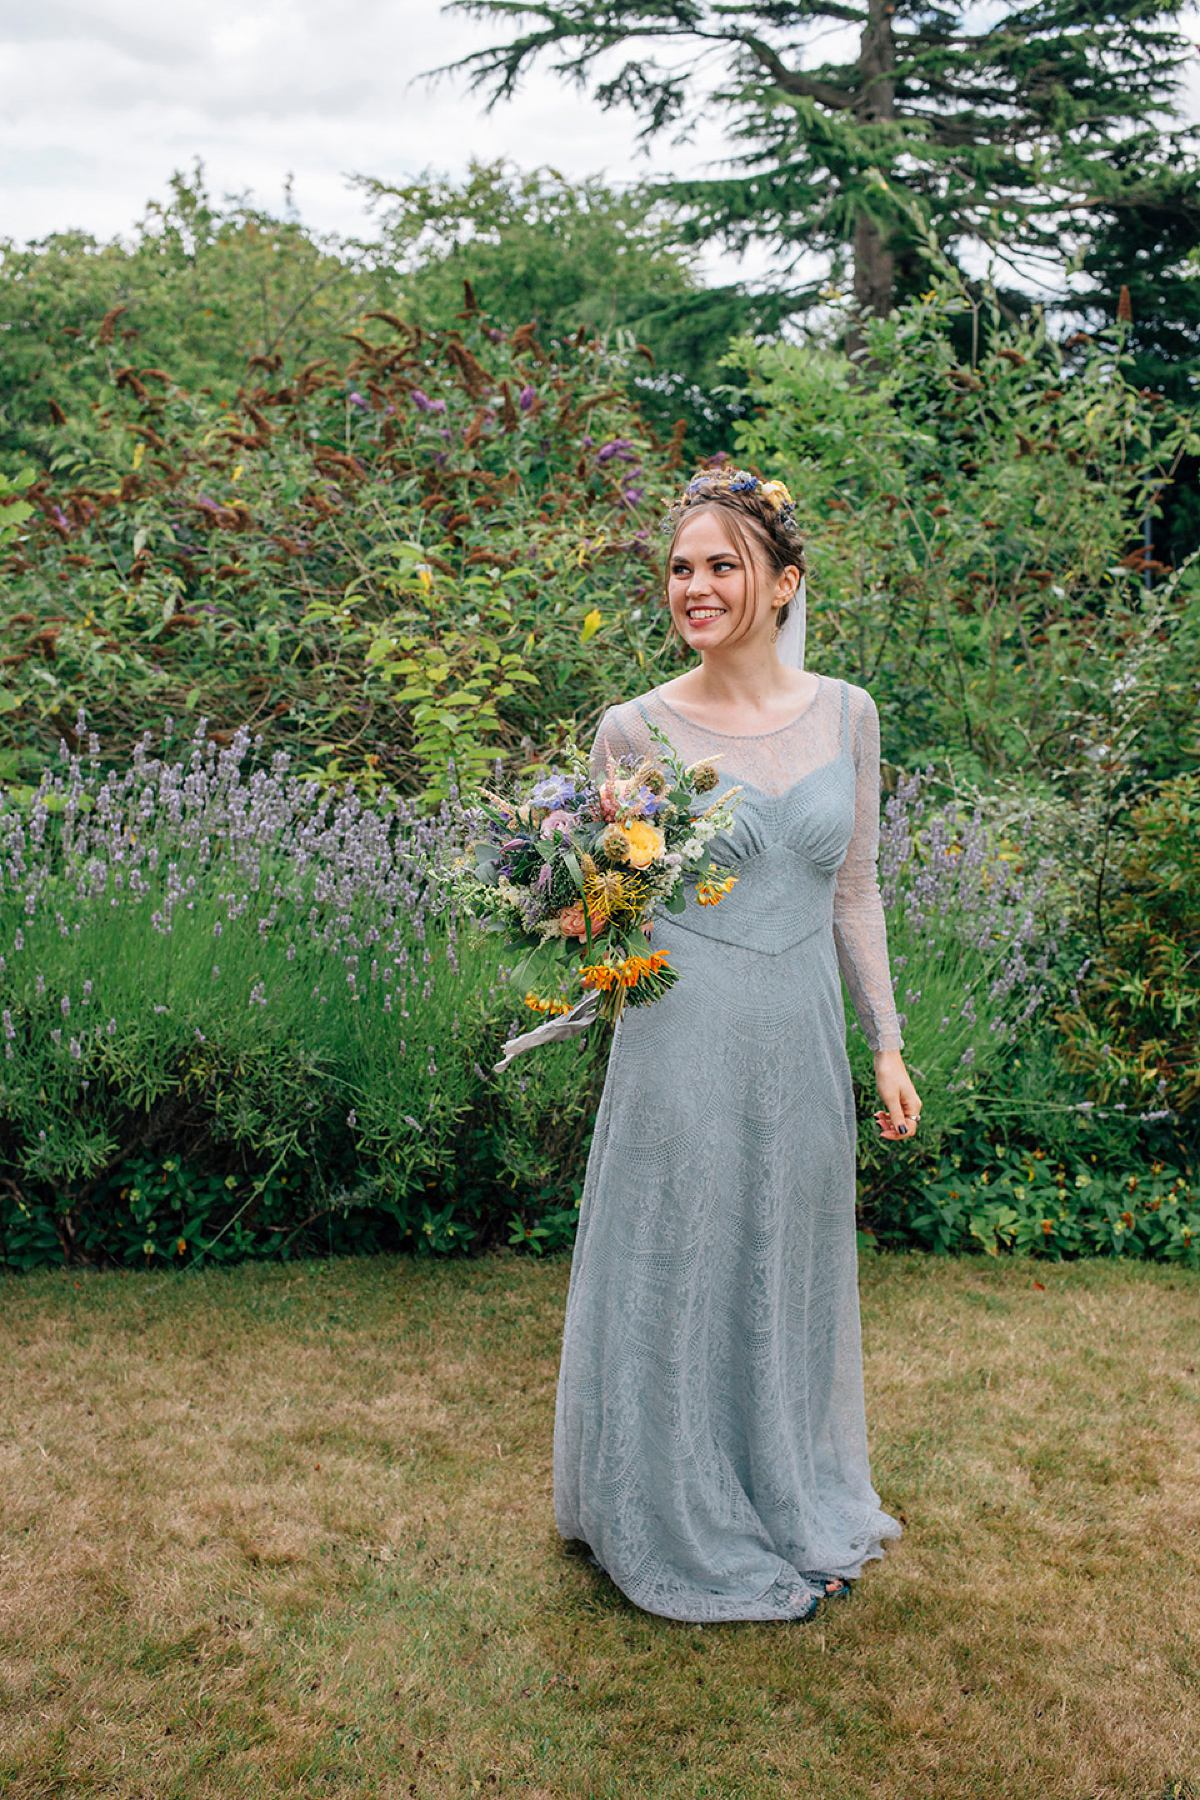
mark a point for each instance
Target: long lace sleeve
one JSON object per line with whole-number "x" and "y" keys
{"x": 622, "y": 734}
{"x": 859, "y": 930}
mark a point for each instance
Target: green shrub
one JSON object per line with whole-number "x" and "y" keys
{"x": 974, "y": 542}
{"x": 1133, "y": 1032}
{"x": 972, "y": 955}
{"x": 433, "y": 552}
{"x": 237, "y": 1016}
{"x": 1029, "y": 1203}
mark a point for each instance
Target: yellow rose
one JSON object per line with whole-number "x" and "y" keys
{"x": 645, "y": 842}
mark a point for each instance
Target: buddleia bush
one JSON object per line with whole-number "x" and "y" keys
{"x": 429, "y": 553}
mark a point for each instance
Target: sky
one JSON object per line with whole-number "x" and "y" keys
{"x": 100, "y": 100}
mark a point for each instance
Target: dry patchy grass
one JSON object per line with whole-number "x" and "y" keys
{"x": 288, "y": 1531}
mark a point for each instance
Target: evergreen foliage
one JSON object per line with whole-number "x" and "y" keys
{"x": 1028, "y": 137}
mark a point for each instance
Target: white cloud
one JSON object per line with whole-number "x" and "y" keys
{"x": 100, "y": 100}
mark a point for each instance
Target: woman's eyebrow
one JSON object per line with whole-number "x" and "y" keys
{"x": 717, "y": 556}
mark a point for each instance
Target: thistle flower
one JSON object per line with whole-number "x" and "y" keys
{"x": 704, "y": 777}
{"x": 613, "y": 845}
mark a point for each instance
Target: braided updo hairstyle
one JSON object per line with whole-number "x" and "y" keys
{"x": 759, "y": 516}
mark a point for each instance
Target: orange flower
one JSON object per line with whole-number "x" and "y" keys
{"x": 710, "y": 893}
{"x": 626, "y": 974}
{"x": 572, "y": 923}
{"x": 536, "y": 1004}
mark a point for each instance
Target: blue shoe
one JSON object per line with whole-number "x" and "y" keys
{"x": 829, "y": 1587}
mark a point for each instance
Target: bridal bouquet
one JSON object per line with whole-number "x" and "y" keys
{"x": 571, "y": 870}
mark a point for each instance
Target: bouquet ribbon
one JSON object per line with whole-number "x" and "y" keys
{"x": 555, "y": 1031}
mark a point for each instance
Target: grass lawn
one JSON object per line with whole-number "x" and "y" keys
{"x": 288, "y": 1530}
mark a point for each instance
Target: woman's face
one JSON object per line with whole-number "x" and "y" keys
{"x": 715, "y": 597}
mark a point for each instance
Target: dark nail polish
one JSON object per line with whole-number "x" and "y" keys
{"x": 903, "y": 1130}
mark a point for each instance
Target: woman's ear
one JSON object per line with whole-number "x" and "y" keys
{"x": 786, "y": 586}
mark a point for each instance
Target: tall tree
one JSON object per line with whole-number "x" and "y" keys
{"x": 1016, "y": 137}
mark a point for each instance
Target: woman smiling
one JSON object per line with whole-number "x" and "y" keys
{"x": 710, "y": 1440}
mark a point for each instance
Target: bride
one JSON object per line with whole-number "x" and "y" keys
{"x": 710, "y": 1437}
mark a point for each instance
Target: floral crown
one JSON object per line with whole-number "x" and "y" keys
{"x": 711, "y": 484}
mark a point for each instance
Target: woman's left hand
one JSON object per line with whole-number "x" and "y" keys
{"x": 902, "y": 1103}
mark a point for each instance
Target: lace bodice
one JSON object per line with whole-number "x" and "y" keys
{"x": 801, "y": 784}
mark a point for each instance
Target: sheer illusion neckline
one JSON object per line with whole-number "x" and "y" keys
{"x": 744, "y": 737}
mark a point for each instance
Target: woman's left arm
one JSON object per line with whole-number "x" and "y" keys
{"x": 860, "y": 935}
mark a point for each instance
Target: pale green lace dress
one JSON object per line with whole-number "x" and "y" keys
{"x": 710, "y": 1439}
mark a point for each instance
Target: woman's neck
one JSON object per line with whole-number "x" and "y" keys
{"x": 750, "y": 689}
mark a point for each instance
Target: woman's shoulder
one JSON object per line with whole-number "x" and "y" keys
{"x": 857, "y": 701}
{"x": 636, "y": 707}
{"x": 631, "y": 716}
{"x": 624, "y": 727}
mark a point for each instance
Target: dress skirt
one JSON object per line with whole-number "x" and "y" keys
{"x": 710, "y": 1438}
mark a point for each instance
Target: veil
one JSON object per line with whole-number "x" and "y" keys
{"x": 789, "y": 645}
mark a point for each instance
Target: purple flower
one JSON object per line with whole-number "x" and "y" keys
{"x": 615, "y": 447}
{"x": 555, "y": 791}
{"x": 526, "y": 398}
{"x": 356, "y": 399}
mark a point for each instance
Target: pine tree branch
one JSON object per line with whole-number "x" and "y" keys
{"x": 838, "y": 98}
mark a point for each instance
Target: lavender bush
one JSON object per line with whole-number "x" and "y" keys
{"x": 972, "y": 955}
{"x": 199, "y": 952}
{"x": 239, "y": 1016}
